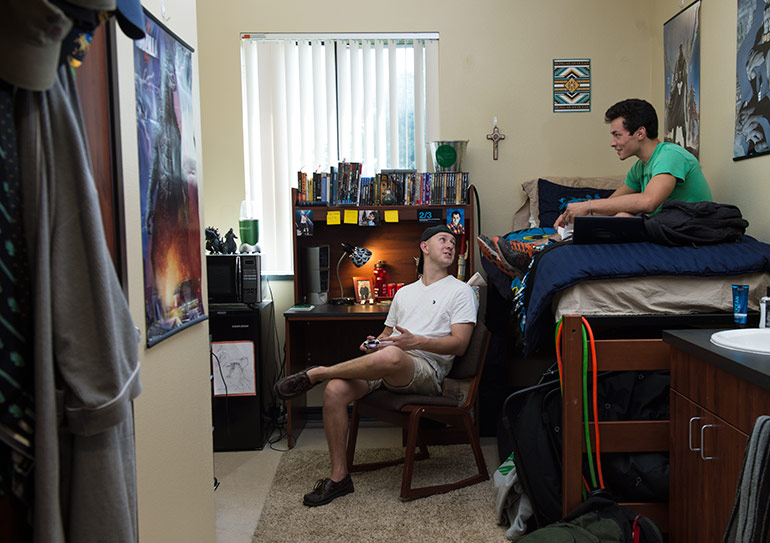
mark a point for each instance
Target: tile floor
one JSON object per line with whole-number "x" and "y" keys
{"x": 245, "y": 476}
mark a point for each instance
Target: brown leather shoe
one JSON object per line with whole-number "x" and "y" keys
{"x": 293, "y": 385}
{"x": 326, "y": 490}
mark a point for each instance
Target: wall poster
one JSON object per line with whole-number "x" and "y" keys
{"x": 571, "y": 85}
{"x": 171, "y": 236}
{"x": 232, "y": 367}
{"x": 752, "y": 105}
{"x": 681, "y": 47}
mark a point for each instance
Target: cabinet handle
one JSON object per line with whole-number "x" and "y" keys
{"x": 689, "y": 431}
{"x": 702, "y": 441}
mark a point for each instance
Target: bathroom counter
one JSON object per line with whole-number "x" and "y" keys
{"x": 754, "y": 368}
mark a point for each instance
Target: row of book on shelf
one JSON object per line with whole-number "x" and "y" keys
{"x": 344, "y": 185}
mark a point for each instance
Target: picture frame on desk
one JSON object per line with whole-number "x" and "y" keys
{"x": 363, "y": 288}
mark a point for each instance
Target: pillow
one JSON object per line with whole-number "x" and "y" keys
{"x": 521, "y": 220}
{"x": 553, "y": 199}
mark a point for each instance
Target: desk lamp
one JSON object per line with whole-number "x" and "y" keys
{"x": 359, "y": 256}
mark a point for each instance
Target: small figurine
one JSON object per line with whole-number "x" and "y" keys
{"x": 213, "y": 240}
{"x": 230, "y": 246}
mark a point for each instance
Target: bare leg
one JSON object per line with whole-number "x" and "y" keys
{"x": 389, "y": 363}
{"x": 338, "y": 395}
{"x": 347, "y": 384}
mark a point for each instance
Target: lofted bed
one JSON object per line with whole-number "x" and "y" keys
{"x": 630, "y": 293}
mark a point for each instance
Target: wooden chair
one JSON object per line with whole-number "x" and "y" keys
{"x": 409, "y": 410}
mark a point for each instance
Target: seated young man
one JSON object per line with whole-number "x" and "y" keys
{"x": 663, "y": 171}
{"x": 429, "y": 322}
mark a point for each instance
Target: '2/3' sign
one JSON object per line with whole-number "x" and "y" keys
{"x": 431, "y": 216}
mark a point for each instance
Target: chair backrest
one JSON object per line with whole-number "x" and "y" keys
{"x": 468, "y": 365}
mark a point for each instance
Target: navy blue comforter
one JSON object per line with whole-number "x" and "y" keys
{"x": 565, "y": 264}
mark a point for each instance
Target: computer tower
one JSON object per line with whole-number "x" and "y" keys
{"x": 243, "y": 371}
{"x": 316, "y": 265}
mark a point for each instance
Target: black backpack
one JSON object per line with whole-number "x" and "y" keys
{"x": 532, "y": 422}
{"x": 599, "y": 518}
{"x": 695, "y": 223}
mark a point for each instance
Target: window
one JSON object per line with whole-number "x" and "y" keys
{"x": 311, "y": 101}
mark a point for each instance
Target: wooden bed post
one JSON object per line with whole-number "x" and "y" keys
{"x": 572, "y": 412}
{"x": 616, "y": 436}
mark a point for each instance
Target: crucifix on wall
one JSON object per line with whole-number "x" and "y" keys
{"x": 495, "y": 136}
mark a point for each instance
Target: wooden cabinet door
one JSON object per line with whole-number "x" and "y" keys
{"x": 723, "y": 446}
{"x": 686, "y": 481}
{"x": 706, "y": 458}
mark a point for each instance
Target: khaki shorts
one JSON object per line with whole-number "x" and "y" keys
{"x": 424, "y": 381}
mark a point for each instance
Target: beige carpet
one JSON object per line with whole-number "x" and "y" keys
{"x": 374, "y": 513}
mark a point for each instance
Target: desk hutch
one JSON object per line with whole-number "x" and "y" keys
{"x": 330, "y": 334}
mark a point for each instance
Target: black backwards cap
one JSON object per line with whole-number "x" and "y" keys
{"x": 433, "y": 230}
{"x": 426, "y": 235}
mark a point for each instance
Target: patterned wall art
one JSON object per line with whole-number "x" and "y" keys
{"x": 171, "y": 234}
{"x": 752, "y": 86}
{"x": 571, "y": 85}
{"x": 681, "y": 47}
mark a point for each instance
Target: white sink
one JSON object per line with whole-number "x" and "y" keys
{"x": 748, "y": 340}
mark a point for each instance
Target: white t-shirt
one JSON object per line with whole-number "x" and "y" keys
{"x": 431, "y": 311}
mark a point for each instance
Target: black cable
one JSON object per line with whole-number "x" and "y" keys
{"x": 478, "y": 209}
{"x": 279, "y": 407}
{"x": 224, "y": 383}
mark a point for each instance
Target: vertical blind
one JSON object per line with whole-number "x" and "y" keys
{"x": 311, "y": 101}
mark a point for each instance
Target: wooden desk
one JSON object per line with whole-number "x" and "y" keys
{"x": 327, "y": 335}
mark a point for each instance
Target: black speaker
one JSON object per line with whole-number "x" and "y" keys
{"x": 243, "y": 371}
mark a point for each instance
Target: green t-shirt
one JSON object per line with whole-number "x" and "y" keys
{"x": 673, "y": 159}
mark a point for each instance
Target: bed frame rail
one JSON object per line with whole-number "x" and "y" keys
{"x": 626, "y": 436}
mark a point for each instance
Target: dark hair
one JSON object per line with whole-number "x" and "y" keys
{"x": 636, "y": 113}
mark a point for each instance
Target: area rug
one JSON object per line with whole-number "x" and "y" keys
{"x": 374, "y": 513}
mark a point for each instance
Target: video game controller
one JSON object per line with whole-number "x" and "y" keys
{"x": 373, "y": 343}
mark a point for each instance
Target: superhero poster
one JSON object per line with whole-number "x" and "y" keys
{"x": 681, "y": 47}
{"x": 171, "y": 236}
{"x": 752, "y": 86}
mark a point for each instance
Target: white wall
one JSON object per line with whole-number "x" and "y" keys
{"x": 173, "y": 413}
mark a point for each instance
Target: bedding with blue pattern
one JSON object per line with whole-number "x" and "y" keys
{"x": 563, "y": 264}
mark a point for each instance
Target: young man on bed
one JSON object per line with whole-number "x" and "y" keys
{"x": 663, "y": 171}
{"x": 429, "y": 322}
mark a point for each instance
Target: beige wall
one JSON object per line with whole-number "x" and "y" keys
{"x": 173, "y": 413}
{"x": 495, "y": 60}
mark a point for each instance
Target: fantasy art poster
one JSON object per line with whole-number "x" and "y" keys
{"x": 752, "y": 86}
{"x": 681, "y": 47}
{"x": 171, "y": 236}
